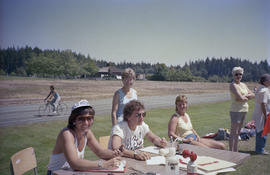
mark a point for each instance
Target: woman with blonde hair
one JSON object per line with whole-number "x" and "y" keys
{"x": 180, "y": 127}
{"x": 123, "y": 95}
{"x": 240, "y": 94}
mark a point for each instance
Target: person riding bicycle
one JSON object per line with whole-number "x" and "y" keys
{"x": 53, "y": 98}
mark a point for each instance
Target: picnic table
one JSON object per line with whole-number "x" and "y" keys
{"x": 140, "y": 167}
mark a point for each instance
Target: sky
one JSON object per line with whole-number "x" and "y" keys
{"x": 173, "y": 32}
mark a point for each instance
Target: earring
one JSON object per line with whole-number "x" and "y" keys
{"x": 74, "y": 123}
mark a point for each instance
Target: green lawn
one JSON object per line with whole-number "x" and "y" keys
{"x": 205, "y": 118}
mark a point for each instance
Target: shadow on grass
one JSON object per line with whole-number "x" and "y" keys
{"x": 252, "y": 153}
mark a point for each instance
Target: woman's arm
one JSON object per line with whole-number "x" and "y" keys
{"x": 250, "y": 94}
{"x": 116, "y": 144}
{"x": 114, "y": 108}
{"x": 77, "y": 163}
{"x": 94, "y": 145}
{"x": 161, "y": 142}
{"x": 196, "y": 134}
{"x": 172, "y": 127}
{"x": 238, "y": 95}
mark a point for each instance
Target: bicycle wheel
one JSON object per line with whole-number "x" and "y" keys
{"x": 44, "y": 109}
{"x": 62, "y": 108}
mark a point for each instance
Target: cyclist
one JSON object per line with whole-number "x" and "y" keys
{"x": 53, "y": 98}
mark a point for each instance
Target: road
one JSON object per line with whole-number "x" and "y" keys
{"x": 12, "y": 115}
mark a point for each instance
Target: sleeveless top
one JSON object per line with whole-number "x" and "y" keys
{"x": 183, "y": 129}
{"x": 123, "y": 99}
{"x": 58, "y": 161}
{"x": 239, "y": 106}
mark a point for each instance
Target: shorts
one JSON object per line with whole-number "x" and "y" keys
{"x": 238, "y": 117}
{"x": 191, "y": 136}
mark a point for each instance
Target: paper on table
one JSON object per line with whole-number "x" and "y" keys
{"x": 121, "y": 168}
{"x": 157, "y": 160}
{"x": 208, "y": 164}
{"x": 150, "y": 149}
{"x": 221, "y": 171}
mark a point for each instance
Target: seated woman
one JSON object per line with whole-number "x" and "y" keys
{"x": 180, "y": 127}
{"x": 72, "y": 140}
{"x": 131, "y": 132}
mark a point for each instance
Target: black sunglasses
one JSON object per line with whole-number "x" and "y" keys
{"x": 143, "y": 114}
{"x": 238, "y": 74}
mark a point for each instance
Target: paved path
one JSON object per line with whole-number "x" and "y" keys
{"x": 11, "y": 115}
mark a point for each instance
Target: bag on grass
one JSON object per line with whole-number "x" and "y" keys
{"x": 222, "y": 134}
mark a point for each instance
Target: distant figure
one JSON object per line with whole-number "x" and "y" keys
{"x": 261, "y": 110}
{"x": 131, "y": 132}
{"x": 180, "y": 127}
{"x": 53, "y": 98}
{"x": 72, "y": 140}
{"x": 240, "y": 94}
{"x": 123, "y": 96}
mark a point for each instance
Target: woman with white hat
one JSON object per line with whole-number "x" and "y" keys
{"x": 72, "y": 140}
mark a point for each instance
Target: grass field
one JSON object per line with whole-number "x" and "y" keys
{"x": 205, "y": 118}
{"x": 17, "y": 90}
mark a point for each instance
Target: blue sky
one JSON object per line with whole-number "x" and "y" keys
{"x": 165, "y": 31}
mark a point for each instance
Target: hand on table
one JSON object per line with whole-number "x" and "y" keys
{"x": 112, "y": 163}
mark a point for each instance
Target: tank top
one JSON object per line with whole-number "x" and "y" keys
{"x": 183, "y": 129}
{"x": 239, "y": 106}
{"x": 59, "y": 161}
{"x": 123, "y": 99}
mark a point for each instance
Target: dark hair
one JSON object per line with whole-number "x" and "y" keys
{"x": 133, "y": 105}
{"x": 264, "y": 78}
{"x": 52, "y": 87}
{"x": 77, "y": 112}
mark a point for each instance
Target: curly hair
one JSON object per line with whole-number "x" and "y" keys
{"x": 128, "y": 72}
{"x": 78, "y": 112}
{"x": 133, "y": 105}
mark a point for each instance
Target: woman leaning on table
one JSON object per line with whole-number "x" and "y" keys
{"x": 180, "y": 127}
{"x": 240, "y": 94}
{"x": 261, "y": 110}
{"x": 123, "y": 95}
{"x": 69, "y": 149}
{"x": 131, "y": 132}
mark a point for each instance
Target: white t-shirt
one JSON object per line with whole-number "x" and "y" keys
{"x": 131, "y": 140}
{"x": 262, "y": 95}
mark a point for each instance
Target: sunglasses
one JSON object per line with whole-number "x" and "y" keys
{"x": 143, "y": 114}
{"x": 238, "y": 74}
{"x": 83, "y": 119}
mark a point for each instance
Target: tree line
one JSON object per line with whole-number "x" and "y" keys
{"x": 28, "y": 61}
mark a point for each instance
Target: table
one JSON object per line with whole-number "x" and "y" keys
{"x": 140, "y": 167}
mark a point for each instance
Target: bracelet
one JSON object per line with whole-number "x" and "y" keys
{"x": 100, "y": 162}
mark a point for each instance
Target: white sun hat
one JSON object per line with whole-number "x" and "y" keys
{"x": 82, "y": 103}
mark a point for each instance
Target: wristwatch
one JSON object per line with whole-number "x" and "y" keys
{"x": 100, "y": 162}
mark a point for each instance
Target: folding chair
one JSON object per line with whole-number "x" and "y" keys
{"x": 23, "y": 161}
{"x": 104, "y": 141}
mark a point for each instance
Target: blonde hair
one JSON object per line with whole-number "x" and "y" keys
{"x": 237, "y": 69}
{"x": 180, "y": 98}
{"x": 128, "y": 72}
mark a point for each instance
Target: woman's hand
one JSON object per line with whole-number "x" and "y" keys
{"x": 163, "y": 142}
{"x": 142, "y": 156}
{"x": 112, "y": 163}
{"x": 198, "y": 138}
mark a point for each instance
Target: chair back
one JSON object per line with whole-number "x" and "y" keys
{"x": 104, "y": 141}
{"x": 23, "y": 161}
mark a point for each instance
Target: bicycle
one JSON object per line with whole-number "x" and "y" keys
{"x": 47, "y": 109}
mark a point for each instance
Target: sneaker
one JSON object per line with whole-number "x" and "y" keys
{"x": 54, "y": 112}
{"x": 264, "y": 153}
